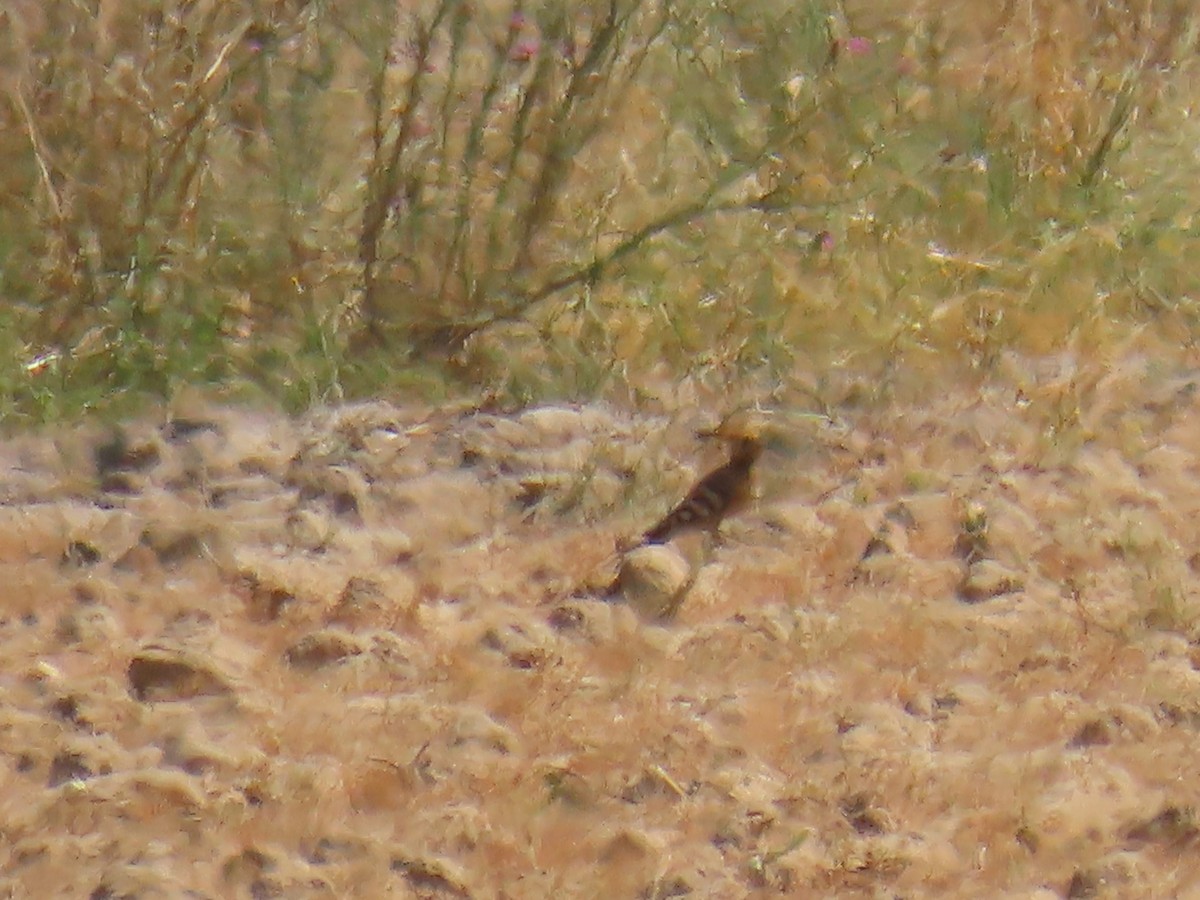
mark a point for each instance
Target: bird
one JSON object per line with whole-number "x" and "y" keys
{"x": 721, "y": 492}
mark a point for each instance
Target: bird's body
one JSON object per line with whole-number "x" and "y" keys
{"x": 722, "y": 491}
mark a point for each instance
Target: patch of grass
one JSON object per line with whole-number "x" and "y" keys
{"x": 596, "y": 199}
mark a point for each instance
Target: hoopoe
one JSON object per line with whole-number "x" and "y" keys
{"x": 719, "y": 493}
{"x": 722, "y": 491}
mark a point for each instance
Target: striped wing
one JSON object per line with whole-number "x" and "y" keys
{"x": 705, "y": 505}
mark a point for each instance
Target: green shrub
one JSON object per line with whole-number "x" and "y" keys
{"x": 581, "y": 198}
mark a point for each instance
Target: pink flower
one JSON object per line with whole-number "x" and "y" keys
{"x": 518, "y": 21}
{"x": 524, "y": 50}
{"x": 857, "y": 46}
{"x": 821, "y": 242}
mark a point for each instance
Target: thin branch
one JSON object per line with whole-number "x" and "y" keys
{"x": 39, "y": 153}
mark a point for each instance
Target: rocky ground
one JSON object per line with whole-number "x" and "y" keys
{"x": 951, "y": 651}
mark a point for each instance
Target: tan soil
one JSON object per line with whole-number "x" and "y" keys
{"x": 952, "y": 651}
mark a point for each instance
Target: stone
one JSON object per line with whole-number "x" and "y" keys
{"x": 653, "y": 580}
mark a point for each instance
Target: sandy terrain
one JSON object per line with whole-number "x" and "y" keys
{"x": 951, "y": 651}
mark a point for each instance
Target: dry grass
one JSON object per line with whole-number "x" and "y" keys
{"x": 952, "y": 652}
{"x": 340, "y": 657}
{"x": 591, "y": 199}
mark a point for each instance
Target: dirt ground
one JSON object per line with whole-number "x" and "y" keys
{"x": 950, "y": 651}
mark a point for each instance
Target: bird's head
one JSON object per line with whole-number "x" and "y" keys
{"x": 744, "y": 430}
{"x": 740, "y": 425}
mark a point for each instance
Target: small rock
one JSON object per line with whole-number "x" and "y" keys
{"x": 1093, "y": 733}
{"x": 392, "y": 547}
{"x": 87, "y": 623}
{"x": 428, "y": 876}
{"x": 361, "y": 600}
{"x": 863, "y": 815}
{"x": 182, "y": 429}
{"x": 1083, "y": 884}
{"x": 264, "y": 600}
{"x": 163, "y": 673}
{"x": 628, "y": 845}
{"x": 342, "y": 488}
{"x": 248, "y": 866}
{"x": 583, "y": 619}
{"x": 323, "y": 648}
{"x": 1173, "y": 826}
{"x": 190, "y": 749}
{"x": 653, "y": 580}
{"x": 122, "y": 483}
{"x": 987, "y": 579}
{"x": 520, "y": 648}
{"x": 337, "y": 850}
{"x": 120, "y": 454}
{"x": 478, "y": 730}
{"x": 309, "y": 530}
{"x": 67, "y": 766}
{"x": 173, "y": 545}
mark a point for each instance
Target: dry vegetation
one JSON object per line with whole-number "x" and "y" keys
{"x": 355, "y": 647}
{"x": 951, "y": 652}
{"x": 565, "y": 200}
